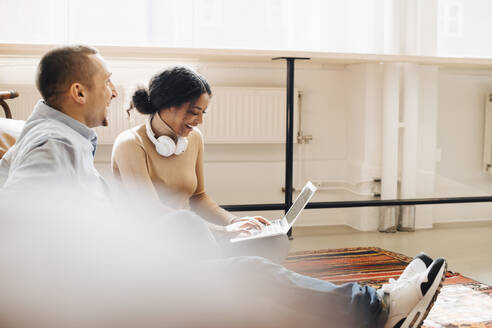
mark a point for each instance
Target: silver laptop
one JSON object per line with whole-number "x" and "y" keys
{"x": 281, "y": 226}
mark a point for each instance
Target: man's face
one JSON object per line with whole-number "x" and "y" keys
{"x": 99, "y": 96}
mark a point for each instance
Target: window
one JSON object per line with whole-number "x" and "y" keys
{"x": 308, "y": 25}
{"x": 25, "y": 21}
{"x": 464, "y": 28}
{"x": 450, "y": 18}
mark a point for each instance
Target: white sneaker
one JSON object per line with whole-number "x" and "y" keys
{"x": 419, "y": 264}
{"x": 411, "y": 298}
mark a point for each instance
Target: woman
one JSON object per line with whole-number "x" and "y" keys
{"x": 165, "y": 155}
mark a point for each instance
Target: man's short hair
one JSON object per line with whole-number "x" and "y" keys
{"x": 61, "y": 67}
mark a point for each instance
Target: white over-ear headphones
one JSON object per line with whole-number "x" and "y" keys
{"x": 165, "y": 145}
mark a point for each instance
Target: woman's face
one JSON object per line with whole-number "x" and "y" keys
{"x": 182, "y": 119}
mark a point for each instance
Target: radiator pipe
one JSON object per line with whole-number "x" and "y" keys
{"x": 389, "y": 149}
{"x": 410, "y": 131}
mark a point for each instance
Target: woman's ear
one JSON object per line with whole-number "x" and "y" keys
{"x": 78, "y": 93}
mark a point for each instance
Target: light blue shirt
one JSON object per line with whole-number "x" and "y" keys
{"x": 52, "y": 147}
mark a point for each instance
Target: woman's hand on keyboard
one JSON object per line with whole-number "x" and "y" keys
{"x": 249, "y": 224}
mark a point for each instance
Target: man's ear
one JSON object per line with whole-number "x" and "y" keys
{"x": 78, "y": 93}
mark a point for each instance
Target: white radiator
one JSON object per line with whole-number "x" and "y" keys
{"x": 247, "y": 115}
{"x": 235, "y": 114}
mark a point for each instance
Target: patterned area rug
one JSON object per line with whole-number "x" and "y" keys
{"x": 462, "y": 302}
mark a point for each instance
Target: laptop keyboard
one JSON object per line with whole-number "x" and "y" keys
{"x": 274, "y": 227}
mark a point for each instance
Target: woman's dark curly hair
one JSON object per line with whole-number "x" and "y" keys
{"x": 170, "y": 88}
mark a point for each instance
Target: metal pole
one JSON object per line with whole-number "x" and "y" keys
{"x": 289, "y": 136}
{"x": 364, "y": 203}
{"x": 289, "y": 132}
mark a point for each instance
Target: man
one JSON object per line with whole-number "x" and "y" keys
{"x": 57, "y": 142}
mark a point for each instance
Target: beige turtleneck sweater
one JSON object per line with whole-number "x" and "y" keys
{"x": 176, "y": 181}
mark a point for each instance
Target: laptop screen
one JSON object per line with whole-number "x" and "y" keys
{"x": 300, "y": 202}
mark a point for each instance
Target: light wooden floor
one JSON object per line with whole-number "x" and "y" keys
{"x": 466, "y": 246}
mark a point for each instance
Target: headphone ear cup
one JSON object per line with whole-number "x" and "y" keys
{"x": 181, "y": 145}
{"x": 165, "y": 146}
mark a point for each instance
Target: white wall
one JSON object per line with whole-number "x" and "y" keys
{"x": 255, "y": 174}
{"x": 460, "y": 141}
{"x": 341, "y": 109}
